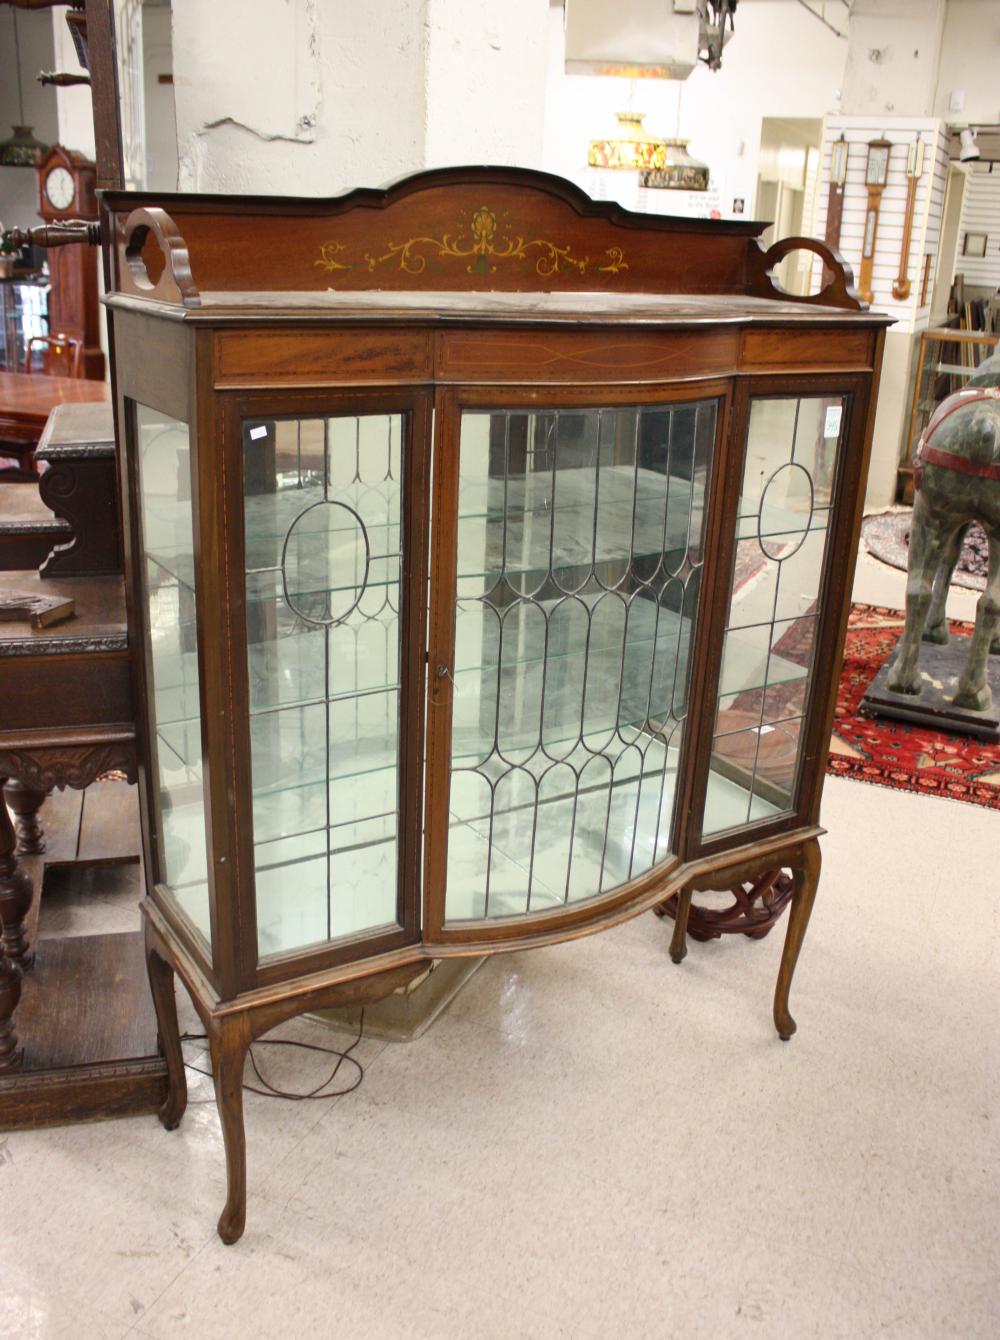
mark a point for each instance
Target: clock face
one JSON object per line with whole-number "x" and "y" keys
{"x": 59, "y": 188}
{"x": 878, "y": 165}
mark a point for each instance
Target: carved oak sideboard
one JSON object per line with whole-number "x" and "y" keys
{"x": 77, "y": 1039}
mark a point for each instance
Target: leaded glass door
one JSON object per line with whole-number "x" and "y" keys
{"x": 334, "y": 541}
{"x": 792, "y": 454}
{"x": 561, "y": 644}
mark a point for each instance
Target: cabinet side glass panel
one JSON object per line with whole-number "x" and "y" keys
{"x": 164, "y": 477}
{"x": 580, "y": 552}
{"x": 323, "y": 545}
{"x": 768, "y": 651}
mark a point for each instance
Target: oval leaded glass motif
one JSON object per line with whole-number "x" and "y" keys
{"x": 325, "y": 561}
{"x": 786, "y": 508}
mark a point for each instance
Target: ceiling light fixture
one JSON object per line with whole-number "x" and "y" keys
{"x": 20, "y": 149}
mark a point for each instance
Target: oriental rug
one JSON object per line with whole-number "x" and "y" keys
{"x": 886, "y": 536}
{"x": 892, "y": 753}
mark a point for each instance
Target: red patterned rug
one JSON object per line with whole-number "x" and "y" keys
{"x": 891, "y": 753}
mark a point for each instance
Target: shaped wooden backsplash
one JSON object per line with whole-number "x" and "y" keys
{"x": 456, "y": 229}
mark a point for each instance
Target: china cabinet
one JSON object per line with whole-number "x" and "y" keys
{"x": 23, "y": 313}
{"x": 489, "y": 550}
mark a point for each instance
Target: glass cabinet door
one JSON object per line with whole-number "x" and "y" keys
{"x": 782, "y": 530}
{"x": 579, "y": 560}
{"x": 162, "y": 452}
{"x": 323, "y": 546}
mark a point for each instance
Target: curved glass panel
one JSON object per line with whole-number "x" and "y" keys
{"x": 767, "y": 657}
{"x": 322, "y": 527}
{"x": 580, "y": 548}
{"x": 164, "y": 480}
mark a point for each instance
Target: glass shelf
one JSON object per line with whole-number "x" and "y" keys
{"x": 654, "y": 656}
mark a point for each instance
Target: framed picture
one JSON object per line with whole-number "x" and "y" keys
{"x": 974, "y": 244}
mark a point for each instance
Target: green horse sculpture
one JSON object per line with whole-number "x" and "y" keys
{"x": 957, "y": 477}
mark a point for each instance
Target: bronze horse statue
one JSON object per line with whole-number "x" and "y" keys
{"x": 957, "y": 478}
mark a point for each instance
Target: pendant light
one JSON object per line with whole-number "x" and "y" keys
{"x": 20, "y": 149}
{"x": 678, "y": 170}
{"x": 632, "y": 148}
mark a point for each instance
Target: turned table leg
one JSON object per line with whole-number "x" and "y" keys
{"x": 15, "y": 891}
{"x": 15, "y": 900}
{"x": 806, "y": 882}
{"x": 25, "y": 802}
{"x": 10, "y": 994}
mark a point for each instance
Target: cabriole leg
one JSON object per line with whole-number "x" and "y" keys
{"x": 229, "y": 1042}
{"x": 678, "y": 943}
{"x": 806, "y": 882}
{"x": 161, "y": 985}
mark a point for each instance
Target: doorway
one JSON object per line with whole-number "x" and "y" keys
{"x": 787, "y": 178}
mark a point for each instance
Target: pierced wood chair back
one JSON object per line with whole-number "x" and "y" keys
{"x": 62, "y": 355}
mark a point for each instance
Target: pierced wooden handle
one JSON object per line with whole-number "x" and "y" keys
{"x": 176, "y": 283}
{"x": 838, "y": 291}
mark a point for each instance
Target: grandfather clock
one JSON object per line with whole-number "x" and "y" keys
{"x": 66, "y": 191}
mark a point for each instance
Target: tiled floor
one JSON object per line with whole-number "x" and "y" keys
{"x": 593, "y": 1142}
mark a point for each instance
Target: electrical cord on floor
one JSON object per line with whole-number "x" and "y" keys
{"x": 271, "y": 1090}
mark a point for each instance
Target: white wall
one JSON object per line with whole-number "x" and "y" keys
{"x": 248, "y": 95}
{"x": 780, "y": 62}
{"x": 74, "y": 107}
{"x": 892, "y": 61}
{"x": 317, "y": 97}
{"x": 161, "y": 125}
{"x": 486, "y": 73}
{"x": 970, "y": 61}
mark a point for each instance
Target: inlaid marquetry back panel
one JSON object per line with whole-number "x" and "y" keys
{"x": 478, "y": 229}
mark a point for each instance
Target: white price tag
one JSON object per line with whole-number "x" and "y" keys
{"x": 261, "y": 431}
{"x": 831, "y": 428}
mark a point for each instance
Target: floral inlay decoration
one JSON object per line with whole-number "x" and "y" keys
{"x": 484, "y": 241}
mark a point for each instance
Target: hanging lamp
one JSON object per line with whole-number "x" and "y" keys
{"x": 20, "y": 149}
{"x": 633, "y": 148}
{"x": 680, "y": 171}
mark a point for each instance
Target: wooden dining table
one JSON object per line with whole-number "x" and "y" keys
{"x": 27, "y": 400}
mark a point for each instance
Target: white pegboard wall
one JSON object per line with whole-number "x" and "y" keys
{"x": 928, "y": 206}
